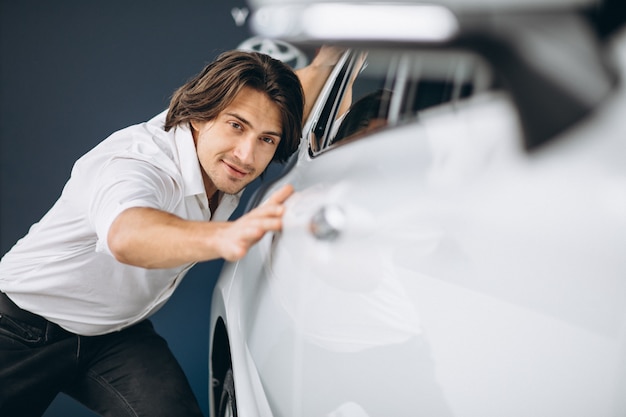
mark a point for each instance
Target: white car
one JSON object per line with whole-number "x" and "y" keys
{"x": 461, "y": 251}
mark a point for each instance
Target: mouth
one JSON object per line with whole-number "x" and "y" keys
{"x": 235, "y": 170}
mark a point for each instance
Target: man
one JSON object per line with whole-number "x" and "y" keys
{"x": 76, "y": 291}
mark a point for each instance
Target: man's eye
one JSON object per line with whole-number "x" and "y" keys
{"x": 268, "y": 140}
{"x": 235, "y": 125}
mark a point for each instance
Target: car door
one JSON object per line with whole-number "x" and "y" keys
{"x": 329, "y": 284}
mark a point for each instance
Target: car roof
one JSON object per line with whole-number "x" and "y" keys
{"x": 308, "y": 21}
{"x": 457, "y": 5}
{"x": 528, "y": 42}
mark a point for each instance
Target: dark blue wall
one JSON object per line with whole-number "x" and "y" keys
{"x": 71, "y": 73}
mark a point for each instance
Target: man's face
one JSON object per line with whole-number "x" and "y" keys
{"x": 236, "y": 147}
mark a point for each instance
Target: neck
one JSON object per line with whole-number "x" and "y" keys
{"x": 214, "y": 200}
{"x": 212, "y": 193}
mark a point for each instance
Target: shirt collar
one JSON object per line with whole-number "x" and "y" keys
{"x": 189, "y": 164}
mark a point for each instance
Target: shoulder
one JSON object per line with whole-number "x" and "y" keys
{"x": 147, "y": 142}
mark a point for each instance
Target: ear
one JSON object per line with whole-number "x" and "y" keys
{"x": 195, "y": 125}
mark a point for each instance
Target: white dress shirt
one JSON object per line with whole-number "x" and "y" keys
{"x": 63, "y": 269}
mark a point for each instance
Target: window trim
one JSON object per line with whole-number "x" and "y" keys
{"x": 318, "y": 134}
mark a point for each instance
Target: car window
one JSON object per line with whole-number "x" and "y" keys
{"x": 379, "y": 89}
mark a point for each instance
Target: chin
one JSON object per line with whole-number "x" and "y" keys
{"x": 233, "y": 188}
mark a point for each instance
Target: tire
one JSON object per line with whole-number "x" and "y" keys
{"x": 228, "y": 404}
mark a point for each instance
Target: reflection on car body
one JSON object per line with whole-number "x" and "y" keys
{"x": 461, "y": 259}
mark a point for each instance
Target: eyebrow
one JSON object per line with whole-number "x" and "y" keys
{"x": 247, "y": 123}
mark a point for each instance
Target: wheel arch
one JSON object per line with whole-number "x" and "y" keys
{"x": 220, "y": 362}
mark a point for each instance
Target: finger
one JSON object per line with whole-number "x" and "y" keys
{"x": 280, "y": 196}
{"x": 265, "y": 210}
{"x": 267, "y": 224}
{"x": 252, "y": 226}
{"x": 263, "y": 225}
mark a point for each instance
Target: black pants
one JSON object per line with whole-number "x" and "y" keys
{"x": 126, "y": 373}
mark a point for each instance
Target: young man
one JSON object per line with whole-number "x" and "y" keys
{"x": 76, "y": 291}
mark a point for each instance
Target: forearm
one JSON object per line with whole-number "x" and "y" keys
{"x": 314, "y": 76}
{"x": 312, "y": 80}
{"x": 151, "y": 238}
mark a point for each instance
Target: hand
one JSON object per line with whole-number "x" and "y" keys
{"x": 327, "y": 56}
{"x": 238, "y": 236}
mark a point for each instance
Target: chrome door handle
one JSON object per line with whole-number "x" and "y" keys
{"x": 328, "y": 223}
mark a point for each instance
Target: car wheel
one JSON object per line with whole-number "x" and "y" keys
{"x": 228, "y": 404}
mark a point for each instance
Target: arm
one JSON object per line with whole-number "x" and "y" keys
{"x": 151, "y": 238}
{"x": 314, "y": 76}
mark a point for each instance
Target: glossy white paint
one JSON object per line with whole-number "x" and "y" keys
{"x": 469, "y": 5}
{"x": 469, "y": 278}
{"x": 328, "y": 21}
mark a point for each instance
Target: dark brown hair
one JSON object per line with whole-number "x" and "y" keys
{"x": 215, "y": 87}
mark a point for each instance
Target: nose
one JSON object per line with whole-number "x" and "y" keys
{"x": 244, "y": 150}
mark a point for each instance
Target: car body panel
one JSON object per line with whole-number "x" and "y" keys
{"x": 492, "y": 328}
{"x": 465, "y": 277}
{"x": 467, "y": 5}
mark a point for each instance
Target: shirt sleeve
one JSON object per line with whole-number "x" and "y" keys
{"x": 124, "y": 183}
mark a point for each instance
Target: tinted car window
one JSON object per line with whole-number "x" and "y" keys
{"x": 379, "y": 89}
